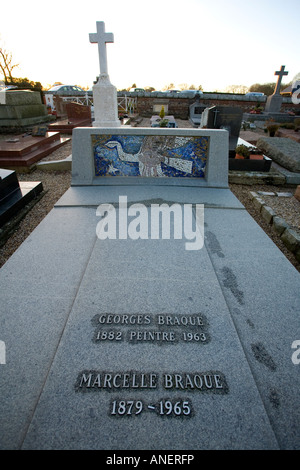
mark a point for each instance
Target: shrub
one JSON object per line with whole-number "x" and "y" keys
{"x": 162, "y": 112}
{"x": 297, "y": 124}
{"x": 242, "y": 150}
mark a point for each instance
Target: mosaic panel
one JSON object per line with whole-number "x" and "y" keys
{"x": 150, "y": 156}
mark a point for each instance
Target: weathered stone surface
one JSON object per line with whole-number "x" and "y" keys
{"x": 258, "y": 203}
{"x": 291, "y": 239}
{"x": 23, "y": 108}
{"x": 267, "y": 213}
{"x": 285, "y": 152}
{"x": 279, "y": 224}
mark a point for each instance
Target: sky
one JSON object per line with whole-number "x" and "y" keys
{"x": 212, "y": 43}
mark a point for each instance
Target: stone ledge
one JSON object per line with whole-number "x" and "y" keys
{"x": 289, "y": 237}
{"x": 255, "y": 177}
{"x": 267, "y": 213}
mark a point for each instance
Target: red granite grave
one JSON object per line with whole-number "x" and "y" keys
{"x": 78, "y": 116}
{"x": 23, "y": 151}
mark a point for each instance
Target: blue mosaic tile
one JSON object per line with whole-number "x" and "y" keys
{"x": 150, "y": 156}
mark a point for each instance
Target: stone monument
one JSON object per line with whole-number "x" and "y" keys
{"x": 104, "y": 93}
{"x": 22, "y": 108}
{"x": 224, "y": 117}
{"x": 274, "y": 101}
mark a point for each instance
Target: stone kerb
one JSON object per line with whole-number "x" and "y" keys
{"x": 150, "y": 156}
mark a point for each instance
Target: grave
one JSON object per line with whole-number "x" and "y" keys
{"x": 60, "y": 107}
{"x": 21, "y": 152}
{"x": 224, "y": 117}
{"x": 285, "y": 152}
{"x": 156, "y": 342}
{"x": 159, "y": 104}
{"x": 195, "y": 112}
{"x": 22, "y": 109}
{"x": 148, "y": 310}
{"x": 78, "y": 115}
{"x": 169, "y": 121}
{"x": 14, "y": 195}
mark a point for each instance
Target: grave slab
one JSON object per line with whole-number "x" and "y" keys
{"x": 78, "y": 115}
{"x": 142, "y": 344}
{"x": 285, "y": 152}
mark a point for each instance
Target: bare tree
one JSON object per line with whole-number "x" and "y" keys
{"x": 6, "y": 65}
{"x": 236, "y": 89}
{"x": 170, "y": 86}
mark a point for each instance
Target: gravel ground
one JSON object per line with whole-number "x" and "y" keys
{"x": 55, "y": 183}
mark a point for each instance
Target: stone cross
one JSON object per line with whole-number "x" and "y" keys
{"x": 101, "y": 37}
{"x": 280, "y": 74}
{"x": 216, "y": 114}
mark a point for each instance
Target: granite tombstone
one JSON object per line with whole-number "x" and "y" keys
{"x": 224, "y": 117}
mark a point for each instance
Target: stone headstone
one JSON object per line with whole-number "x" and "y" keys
{"x": 78, "y": 115}
{"x": 60, "y": 106}
{"x": 104, "y": 93}
{"x": 274, "y": 101}
{"x": 157, "y": 107}
{"x": 224, "y": 117}
{"x": 284, "y": 151}
{"x": 195, "y": 111}
{"x": 78, "y": 112}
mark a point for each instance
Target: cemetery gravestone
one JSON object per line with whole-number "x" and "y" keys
{"x": 157, "y": 107}
{"x": 274, "y": 101}
{"x": 164, "y": 345}
{"x": 60, "y": 107}
{"x": 195, "y": 111}
{"x": 23, "y": 108}
{"x": 78, "y": 115}
{"x": 224, "y": 117}
{"x": 285, "y": 152}
{"x": 162, "y": 327}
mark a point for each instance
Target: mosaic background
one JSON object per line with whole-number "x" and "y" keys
{"x": 155, "y": 156}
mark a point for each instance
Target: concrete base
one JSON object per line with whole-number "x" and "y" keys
{"x": 79, "y": 316}
{"x": 273, "y": 104}
{"x": 105, "y": 103}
